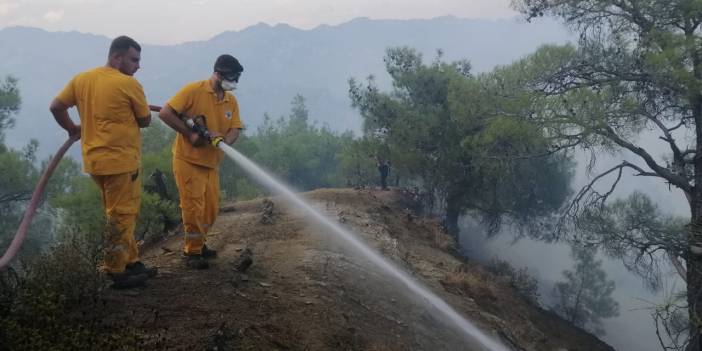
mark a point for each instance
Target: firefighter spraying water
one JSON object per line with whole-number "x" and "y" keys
{"x": 204, "y": 114}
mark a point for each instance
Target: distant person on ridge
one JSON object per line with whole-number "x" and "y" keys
{"x": 112, "y": 107}
{"x": 384, "y": 169}
{"x": 195, "y": 161}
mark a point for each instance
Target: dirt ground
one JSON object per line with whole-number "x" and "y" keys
{"x": 307, "y": 291}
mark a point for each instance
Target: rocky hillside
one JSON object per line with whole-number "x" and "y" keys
{"x": 306, "y": 291}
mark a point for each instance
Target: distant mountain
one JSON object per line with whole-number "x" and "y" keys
{"x": 279, "y": 61}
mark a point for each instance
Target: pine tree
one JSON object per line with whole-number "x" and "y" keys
{"x": 585, "y": 298}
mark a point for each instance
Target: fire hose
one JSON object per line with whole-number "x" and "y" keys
{"x": 21, "y": 233}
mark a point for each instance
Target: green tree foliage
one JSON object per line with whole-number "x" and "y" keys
{"x": 81, "y": 210}
{"x": 456, "y": 137}
{"x": 9, "y": 104}
{"x": 637, "y": 67}
{"x": 670, "y": 319}
{"x": 304, "y": 155}
{"x": 16, "y": 185}
{"x": 358, "y": 164}
{"x": 520, "y": 279}
{"x": 15, "y": 167}
{"x": 233, "y": 181}
{"x": 632, "y": 229}
{"x": 585, "y": 298}
{"x": 294, "y": 150}
{"x": 19, "y": 174}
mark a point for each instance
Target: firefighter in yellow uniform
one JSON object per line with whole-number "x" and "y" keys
{"x": 112, "y": 107}
{"x": 196, "y": 161}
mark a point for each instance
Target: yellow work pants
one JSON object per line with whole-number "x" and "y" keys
{"x": 198, "y": 188}
{"x": 121, "y": 198}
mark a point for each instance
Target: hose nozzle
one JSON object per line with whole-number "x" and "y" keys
{"x": 216, "y": 140}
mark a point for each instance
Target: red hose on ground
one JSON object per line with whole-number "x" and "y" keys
{"x": 33, "y": 203}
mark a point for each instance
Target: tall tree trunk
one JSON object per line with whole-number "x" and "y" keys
{"x": 694, "y": 254}
{"x": 694, "y": 277}
{"x": 453, "y": 211}
{"x": 693, "y": 257}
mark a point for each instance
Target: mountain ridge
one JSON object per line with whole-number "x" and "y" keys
{"x": 280, "y": 61}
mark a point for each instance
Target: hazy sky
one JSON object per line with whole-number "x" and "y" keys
{"x": 176, "y": 21}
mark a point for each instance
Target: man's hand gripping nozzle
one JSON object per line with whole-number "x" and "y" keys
{"x": 197, "y": 124}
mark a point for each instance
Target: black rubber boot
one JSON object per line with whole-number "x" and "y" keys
{"x": 207, "y": 252}
{"x": 138, "y": 268}
{"x": 196, "y": 262}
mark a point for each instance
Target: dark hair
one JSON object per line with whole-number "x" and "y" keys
{"x": 228, "y": 64}
{"x": 122, "y": 43}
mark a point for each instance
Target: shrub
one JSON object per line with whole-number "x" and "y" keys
{"x": 526, "y": 284}
{"x": 54, "y": 302}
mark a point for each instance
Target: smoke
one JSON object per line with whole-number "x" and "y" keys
{"x": 634, "y": 329}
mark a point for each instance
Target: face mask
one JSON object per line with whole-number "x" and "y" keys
{"x": 228, "y": 85}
